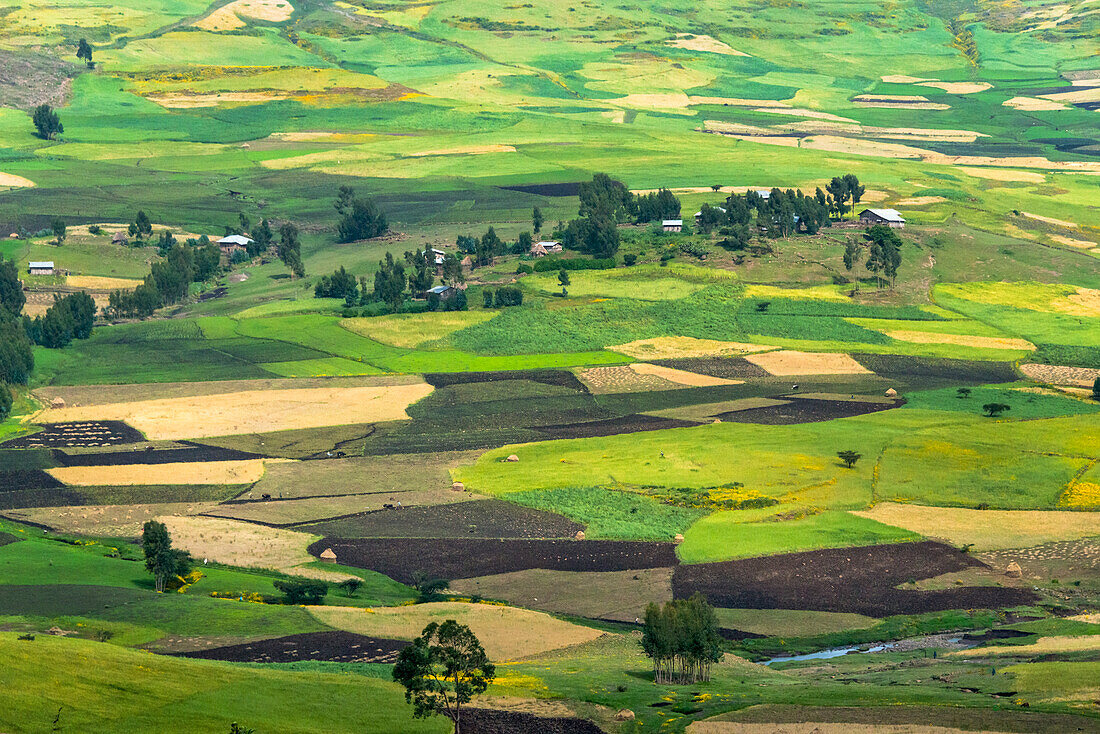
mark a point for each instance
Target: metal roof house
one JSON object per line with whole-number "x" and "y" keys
{"x": 545, "y": 247}
{"x": 890, "y": 217}
{"x": 41, "y": 267}
{"x": 672, "y": 225}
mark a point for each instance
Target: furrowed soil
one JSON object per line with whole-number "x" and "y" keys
{"x": 490, "y": 721}
{"x": 802, "y": 410}
{"x": 335, "y": 646}
{"x": 859, "y": 580}
{"x": 400, "y": 559}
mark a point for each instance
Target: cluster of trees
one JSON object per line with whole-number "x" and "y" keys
{"x": 341, "y": 284}
{"x": 839, "y": 191}
{"x": 483, "y": 249}
{"x": 682, "y": 640}
{"x": 161, "y": 559}
{"x": 504, "y": 296}
{"x": 416, "y": 272}
{"x": 655, "y": 207}
{"x": 883, "y": 253}
{"x": 71, "y": 317}
{"x": 16, "y": 353}
{"x": 360, "y": 218}
{"x": 604, "y": 203}
{"x": 46, "y": 122}
{"x": 169, "y": 281}
{"x": 301, "y": 590}
{"x": 141, "y": 227}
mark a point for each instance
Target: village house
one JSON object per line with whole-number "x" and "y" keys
{"x": 890, "y": 217}
{"x": 120, "y": 238}
{"x": 234, "y": 243}
{"x": 545, "y": 247}
{"x": 44, "y": 267}
{"x": 438, "y": 256}
{"x": 444, "y": 292}
{"x": 672, "y": 225}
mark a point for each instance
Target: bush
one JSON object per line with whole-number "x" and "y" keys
{"x": 508, "y": 296}
{"x": 630, "y": 259}
{"x": 524, "y": 269}
{"x": 302, "y": 591}
{"x": 95, "y": 229}
{"x": 487, "y": 297}
{"x": 547, "y": 264}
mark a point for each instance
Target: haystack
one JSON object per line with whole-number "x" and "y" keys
{"x": 13, "y": 236}
{"x": 624, "y": 715}
{"x": 513, "y": 457}
{"x": 57, "y": 403}
{"x": 120, "y": 238}
{"x": 1014, "y": 571}
{"x": 458, "y": 487}
{"x": 328, "y": 556}
{"x": 579, "y": 535}
{"x": 891, "y": 393}
{"x": 679, "y": 538}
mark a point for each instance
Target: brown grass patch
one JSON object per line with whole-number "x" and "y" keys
{"x": 898, "y": 102}
{"x": 958, "y": 87}
{"x": 113, "y": 521}
{"x": 987, "y": 529}
{"x": 820, "y": 727}
{"x": 315, "y": 509}
{"x": 705, "y": 412}
{"x": 904, "y": 79}
{"x": 1042, "y": 646}
{"x": 506, "y": 632}
{"x": 1000, "y": 174}
{"x": 1089, "y": 618}
{"x": 10, "y": 180}
{"x": 228, "y": 17}
{"x": 182, "y": 101}
{"x": 681, "y": 377}
{"x": 243, "y": 471}
{"x": 465, "y": 150}
{"x": 1079, "y": 96}
{"x": 1070, "y": 242}
{"x": 676, "y": 347}
{"x": 236, "y": 543}
{"x": 964, "y": 340}
{"x": 253, "y": 411}
{"x": 921, "y": 200}
{"x": 1050, "y": 220}
{"x": 96, "y": 282}
{"x": 786, "y": 363}
{"x": 622, "y": 379}
{"x": 1033, "y": 104}
{"x": 703, "y": 43}
{"x": 621, "y": 595}
{"x": 1059, "y": 375}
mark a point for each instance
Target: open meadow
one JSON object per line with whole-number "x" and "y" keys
{"x": 391, "y": 398}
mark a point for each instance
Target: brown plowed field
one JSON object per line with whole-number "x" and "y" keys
{"x": 334, "y": 646}
{"x": 489, "y": 721}
{"x": 860, "y": 580}
{"x": 802, "y": 410}
{"x": 464, "y": 558}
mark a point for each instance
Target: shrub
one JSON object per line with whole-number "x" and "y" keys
{"x": 629, "y": 259}
{"x": 508, "y": 296}
{"x": 302, "y": 591}
{"x": 524, "y": 269}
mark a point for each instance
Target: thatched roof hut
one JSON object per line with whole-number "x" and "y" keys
{"x": 57, "y": 403}
{"x": 891, "y": 393}
{"x": 1014, "y": 571}
{"x": 458, "y": 487}
{"x": 328, "y": 556}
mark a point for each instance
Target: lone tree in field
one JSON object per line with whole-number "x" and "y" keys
{"x": 682, "y": 640}
{"x": 993, "y": 410}
{"x": 963, "y": 393}
{"x": 536, "y": 220}
{"x": 290, "y": 250}
{"x": 57, "y": 226}
{"x": 84, "y": 51}
{"x": 161, "y": 559}
{"x": 46, "y": 122}
{"x": 442, "y": 670}
{"x": 849, "y": 457}
{"x": 1096, "y": 389}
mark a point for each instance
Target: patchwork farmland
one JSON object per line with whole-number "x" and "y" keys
{"x": 326, "y": 322}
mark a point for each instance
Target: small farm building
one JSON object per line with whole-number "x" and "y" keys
{"x": 438, "y": 256}
{"x": 120, "y": 238}
{"x": 890, "y": 217}
{"x": 699, "y": 214}
{"x": 672, "y": 225}
{"x": 546, "y": 247}
{"x": 445, "y": 292}
{"x": 233, "y": 243}
{"x": 43, "y": 267}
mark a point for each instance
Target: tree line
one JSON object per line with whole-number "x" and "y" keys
{"x": 168, "y": 281}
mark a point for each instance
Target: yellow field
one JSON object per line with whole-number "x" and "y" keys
{"x": 228, "y": 17}
{"x": 987, "y": 529}
{"x": 244, "y": 544}
{"x": 253, "y": 411}
{"x": 681, "y": 377}
{"x": 243, "y": 471}
{"x": 10, "y": 180}
{"x": 704, "y": 43}
{"x": 1042, "y": 646}
{"x": 819, "y": 727}
{"x": 507, "y": 633}
{"x": 675, "y": 347}
{"x": 965, "y": 340}
{"x": 95, "y": 282}
{"x": 113, "y": 521}
{"x": 411, "y": 330}
{"x": 1000, "y": 174}
{"x": 787, "y": 363}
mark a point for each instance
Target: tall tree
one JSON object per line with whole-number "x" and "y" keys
{"x": 389, "y": 282}
{"x": 290, "y": 250}
{"x": 262, "y": 238}
{"x": 884, "y": 258}
{"x": 84, "y": 51}
{"x": 423, "y": 267}
{"x": 5, "y": 400}
{"x": 46, "y": 122}
{"x": 855, "y": 189}
{"x": 852, "y": 254}
{"x": 16, "y": 351}
{"x": 11, "y": 289}
{"x": 536, "y": 220}
{"x": 838, "y": 189}
{"x": 442, "y": 670}
{"x": 161, "y": 559}
{"x": 452, "y": 269}
{"x": 143, "y": 227}
{"x": 59, "y": 229}
{"x": 605, "y": 194}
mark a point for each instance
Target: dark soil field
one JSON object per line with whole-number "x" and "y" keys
{"x": 549, "y": 189}
{"x": 726, "y": 367}
{"x": 164, "y": 456}
{"x": 8, "y": 539}
{"x": 477, "y": 519}
{"x": 613, "y": 426}
{"x": 462, "y": 558}
{"x": 489, "y": 721}
{"x": 928, "y": 372}
{"x": 55, "y": 600}
{"x": 334, "y": 646}
{"x": 558, "y": 378}
{"x": 19, "y": 497}
{"x": 87, "y": 433}
{"x": 860, "y": 580}
{"x": 803, "y": 410}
